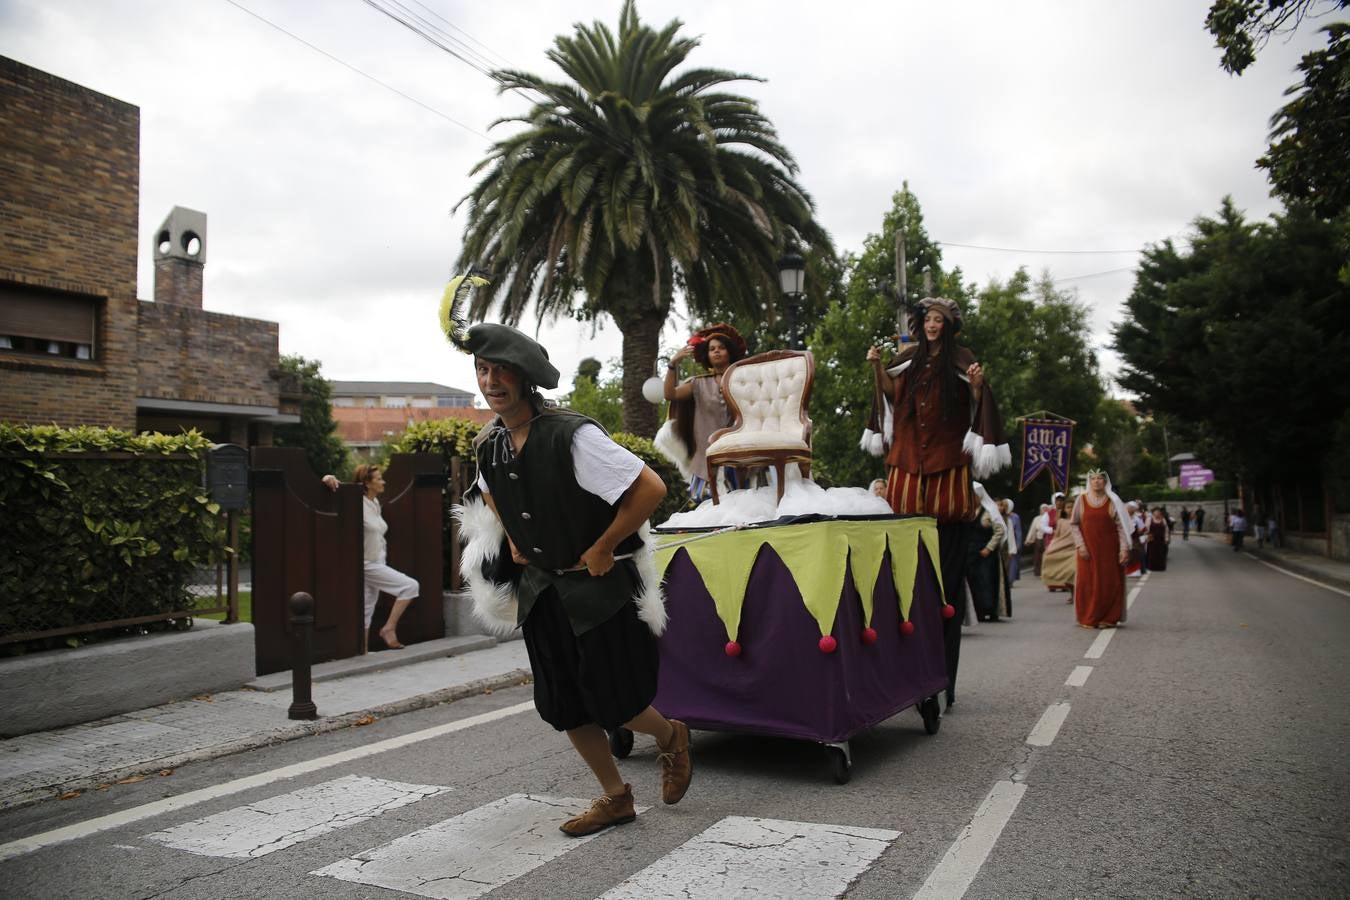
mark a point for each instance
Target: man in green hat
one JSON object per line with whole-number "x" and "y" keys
{"x": 569, "y": 507}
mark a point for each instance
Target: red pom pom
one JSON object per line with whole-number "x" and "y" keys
{"x": 828, "y": 644}
{"x": 948, "y": 610}
{"x": 869, "y": 635}
{"x": 696, "y": 340}
{"x": 906, "y": 628}
{"x": 732, "y": 649}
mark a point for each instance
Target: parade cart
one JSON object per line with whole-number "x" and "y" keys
{"x": 814, "y": 628}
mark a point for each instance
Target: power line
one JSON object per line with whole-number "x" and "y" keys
{"x": 1027, "y": 250}
{"x": 1093, "y": 274}
{"x": 389, "y": 87}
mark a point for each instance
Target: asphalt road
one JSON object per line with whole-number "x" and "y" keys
{"x": 1204, "y": 755}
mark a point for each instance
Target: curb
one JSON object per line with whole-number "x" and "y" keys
{"x": 280, "y": 735}
{"x": 1334, "y": 579}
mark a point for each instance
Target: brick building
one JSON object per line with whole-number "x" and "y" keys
{"x": 368, "y": 413}
{"x": 76, "y": 345}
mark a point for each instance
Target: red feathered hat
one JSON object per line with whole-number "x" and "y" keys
{"x": 723, "y": 331}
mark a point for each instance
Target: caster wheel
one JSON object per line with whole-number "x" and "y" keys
{"x": 840, "y": 767}
{"x": 621, "y": 743}
{"x": 932, "y": 715}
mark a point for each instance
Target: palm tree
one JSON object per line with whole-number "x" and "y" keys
{"x": 627, "y": 183}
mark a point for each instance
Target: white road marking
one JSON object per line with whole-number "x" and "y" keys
{"x": 1129, "y": 601}
{"x": 1043, "y": 734}
{"x": 953, "y": 876}
{"x": 1079, "y": 676}
{"x": 257, "y": 829}
{"x": 170, "y": 804}
{"x": 741, "y": 856}
{"x": 1144, "y": 577}
{"x": 1099, "y": 645}
{"x": 470, "y": 854}
{"x": 1285, "y": 571}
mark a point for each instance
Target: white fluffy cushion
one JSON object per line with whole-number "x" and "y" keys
{"x": 738, "y": 441}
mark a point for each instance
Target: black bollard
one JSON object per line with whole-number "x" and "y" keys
{"x": 301, "y": 606}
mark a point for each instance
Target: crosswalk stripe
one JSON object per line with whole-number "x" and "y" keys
{"x": 257, "y": 829}
{"x": 761, "y": 858}
{"x": 470, "y": 854}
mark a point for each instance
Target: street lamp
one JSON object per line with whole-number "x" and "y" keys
{"x": 792, "y": 281}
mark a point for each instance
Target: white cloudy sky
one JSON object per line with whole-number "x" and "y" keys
{"x": 1069, "y": 125}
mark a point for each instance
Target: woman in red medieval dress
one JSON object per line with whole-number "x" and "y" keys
{"x": 1103, "y": 542}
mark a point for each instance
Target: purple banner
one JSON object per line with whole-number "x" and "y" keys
{"x": 1046, "y": 445}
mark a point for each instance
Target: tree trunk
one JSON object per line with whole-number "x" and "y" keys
{"x": 641, "y": 343}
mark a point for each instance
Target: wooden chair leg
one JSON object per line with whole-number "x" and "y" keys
{"x": 780, "y": 467}
{"x": 712, "y": 480}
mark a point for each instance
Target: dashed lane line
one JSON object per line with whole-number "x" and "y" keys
{"x": 1078, "y": 677}
{"x": 170, "y": 804}
{"x": 1099, "y": 645}
{"x": 1045, "y": 730}
{"x": 964, "y": 859}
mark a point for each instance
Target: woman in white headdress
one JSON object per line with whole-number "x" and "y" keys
{"x": 1102, "y": 539}
{"x": 1057, "y": 565}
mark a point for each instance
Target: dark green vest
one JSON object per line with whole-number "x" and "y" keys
{"x": 552, "y": 520}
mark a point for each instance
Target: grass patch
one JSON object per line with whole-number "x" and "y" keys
{"x": 245, "y": 608}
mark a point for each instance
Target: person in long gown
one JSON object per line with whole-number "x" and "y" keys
{"x": 1103, "y": 548}
{"x": 1057, "y": 565}
{"x": 697, "y": 407}
{"x": 935, "y": 420}
{"x": 984, "y": 563}
{"x": 1159, "y": 536}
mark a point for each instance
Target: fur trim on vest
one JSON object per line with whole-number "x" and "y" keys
{"x": 495, "y": 605}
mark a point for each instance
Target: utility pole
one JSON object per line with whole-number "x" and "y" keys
{"x": 927, "y": 282}
{"x": 901, "y": 286}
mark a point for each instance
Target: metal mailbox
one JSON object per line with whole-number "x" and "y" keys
{"x": 227, "y": 476}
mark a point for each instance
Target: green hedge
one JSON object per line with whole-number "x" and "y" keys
{"x": 450, "y": 438}
{"x": 1215, "y": 490}
{"x": 100, "y": 524}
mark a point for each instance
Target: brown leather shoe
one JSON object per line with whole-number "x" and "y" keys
{"x": 677, "y": 766}
{"x": 604, "y": 812}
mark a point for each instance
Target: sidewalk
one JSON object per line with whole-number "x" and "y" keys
{"x": 1334, "y": 572}
{"x": 43, "y": 765}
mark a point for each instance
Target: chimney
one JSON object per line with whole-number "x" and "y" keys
{"x": 180, "y": 256}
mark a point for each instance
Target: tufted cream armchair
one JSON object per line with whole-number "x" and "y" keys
{"x": 767, "y": 396}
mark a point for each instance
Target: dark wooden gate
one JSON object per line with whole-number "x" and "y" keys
{"x": 305, "y": 538}
{"x": 414, "y": 485}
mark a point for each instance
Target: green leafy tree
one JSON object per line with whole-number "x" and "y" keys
{"x": 316, "y": 432}
{"x": 601, "y": 400}
{"x": 1252, "y": 316}
{"x": 1307, "y": 159}
{"x": 628, "y": 182}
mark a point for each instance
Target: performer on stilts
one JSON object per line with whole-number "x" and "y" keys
{"x": 935, "y": 420}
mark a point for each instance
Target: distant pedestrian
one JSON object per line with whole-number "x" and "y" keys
{"x": 1159, "y": 536}
{"x": 1059, "y": 566}
{"x": 1199, "y": 519}
{"x": 1037, "y": 532}
{"x": 1258, "y": 525}
{"x": 378, "y": 575}
{"x": 1185, "y": 524}
{"x": 1138, "y": 535}
{"x": 1238, "y": 526}
{"x": 1272, "y": 531}
{"x": 1014, "y": 524}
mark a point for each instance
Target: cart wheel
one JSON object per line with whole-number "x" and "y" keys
{"x": 839, "y": 765}
{"x": 932, "y": 715}
{"x": 621, "y": 742}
